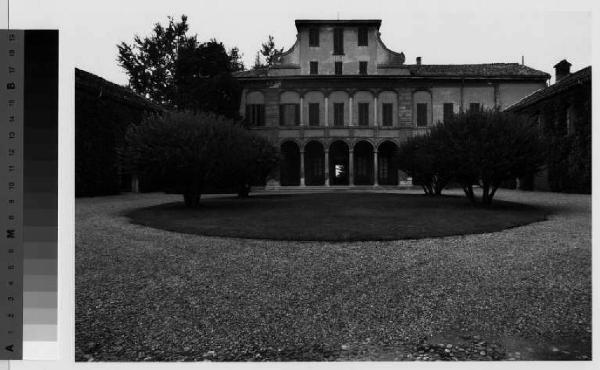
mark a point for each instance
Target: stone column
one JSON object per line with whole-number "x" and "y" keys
{"x": 350, "y": 111}
{"x": 326, "y": 111}
{"x": 302, "y": 168}
{"x": 326, "y": 167}
{"x": 375, "y": 111}
{"x": 351, "y": 167}
{"x": 375, "y": 168}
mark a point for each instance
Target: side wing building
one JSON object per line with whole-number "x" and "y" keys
{"x": 339, "y": 102}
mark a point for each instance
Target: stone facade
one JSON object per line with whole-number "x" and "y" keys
{"x": 339, "y": 102}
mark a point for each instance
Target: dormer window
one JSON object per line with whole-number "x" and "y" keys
{"x": 338, "y": 41}
{"x": 363, "y": 36}
{"x": 313, "y": 37}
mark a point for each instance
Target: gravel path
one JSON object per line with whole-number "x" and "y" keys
{"x": 148, "y": 294}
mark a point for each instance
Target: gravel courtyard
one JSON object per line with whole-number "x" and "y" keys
{"x": 147, "y": 294}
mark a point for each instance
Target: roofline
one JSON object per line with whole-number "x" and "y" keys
{"x": 393, "y": 77}
{"x": 340, "y": 22}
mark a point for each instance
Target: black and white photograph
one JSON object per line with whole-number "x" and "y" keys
{"x": 324, "y": 181}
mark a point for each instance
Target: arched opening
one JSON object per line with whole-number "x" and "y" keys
{"x": 387, "y": 170}
{"x": 363, "y": 163}
{"x": 314, "y": 163}
{"x": 290, "y": 164}
{"x": 338, "y": 163}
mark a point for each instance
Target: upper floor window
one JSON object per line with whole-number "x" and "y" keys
{"x": 363, "y": 114}
{"x": 338, "y": 114}
{"x": 313, "y": 37}
{"x": 362, "y": 68}
{"x": 255, "y": 114}
{"x": 313, "y": 114}
{"x": 474, "y": 107}
{"x": 338, "y": 41}
{"x": 289, "y": 114}
{"x": 421, "y": 114}
{"x": 338, "y": 68}
{"x": 448, "y": 111}
{"x": 314, "y": 68}
{"x": 387, "y": 114}
{"x": 363, "y": 36}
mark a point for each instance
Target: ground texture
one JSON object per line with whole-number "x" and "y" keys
{"x": 149, "y": 294}
{"x": 336, "y": 217}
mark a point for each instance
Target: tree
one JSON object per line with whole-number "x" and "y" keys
{"x": 486, "y": 148}
{"x": 270, "y": 52}
{"x": 171, "y": 67}
{"x": 194, "y": 152}
{"x": 425, "y": 159}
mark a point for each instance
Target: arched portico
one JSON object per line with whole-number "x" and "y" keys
{"x": 363, "y": 163}
{"x": 314, "y": 163}
{"x": 339, "y": 169}
{"x": 289, "y": 172}
{"x": 387, "y": 170}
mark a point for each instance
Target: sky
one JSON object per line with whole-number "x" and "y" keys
{"x": 441, "y": 32}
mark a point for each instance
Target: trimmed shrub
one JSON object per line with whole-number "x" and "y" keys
{"x": 194, "y": 152}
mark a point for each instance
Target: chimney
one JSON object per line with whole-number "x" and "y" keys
{"x": 563, "y": 69}
{"x": 418, "y": 61}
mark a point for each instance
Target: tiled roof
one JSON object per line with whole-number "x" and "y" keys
{"x": 476, "y": 70}
{"x": 98, "y": 85}
{"x": 491, "y": 70}
{"x": 582, "y": 76}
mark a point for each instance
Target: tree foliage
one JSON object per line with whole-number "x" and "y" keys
{"x": 475, "y": 148}
{"x": 171, "y": 67}
{"x": 195, "y": 152}
{"x": 269, "y": 52}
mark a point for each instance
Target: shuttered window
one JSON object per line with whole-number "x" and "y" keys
{"x": 448, "y": 111}
{"x": 362, "y": 68}
{"x": 363, "y": 36}
{"x": 363, "y": 114}
{"x": 313, "y": 114}
{"x": 338, "y": 114}
{"x": 255, "y": 114}
{"x": 421, "y": 114}
{"x": 387, "y": 114}
{"x": 314, "y": 68}
{"x": 313, "y": 37}
{"x": 338, "y": 68}
{"x": 338, "y": 41}
{"x": 289, "y": 114}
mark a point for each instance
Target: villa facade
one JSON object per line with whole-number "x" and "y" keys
{"x": 338, "y": 103}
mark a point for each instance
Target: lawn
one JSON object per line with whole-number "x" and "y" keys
{"x": 337, "y": 216}
{"x": 148, "y": 294}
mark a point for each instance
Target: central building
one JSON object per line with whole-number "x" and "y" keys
{"x": 338, "y": 103}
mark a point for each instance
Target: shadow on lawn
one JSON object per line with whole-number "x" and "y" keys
{"x": 337, "y": 217}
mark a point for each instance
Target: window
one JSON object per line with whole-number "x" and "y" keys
{"x": 338, "y": 41}
{"x": 387, "y": 114}
{"x": 338, "y": 114}
{"x": 362, "y": 166}
{"x": 362, "y": 68}
{"x": 338, "y": 68}
{"x": 363, "y": 114}
{"x": 313, "y": 37}
{"x": 313, "y": 114}
{"x": 421, "y": 114}
{"x": 314, "y": 68}
{"x": 448, "y": 111}
{"x": 570, "y": 119}
{"x": 474, "y": 107}
{"x": 363, "y": 36}
{"x": 255, "y": 114}
{"x": 289, "y": 114}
